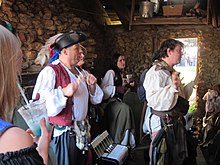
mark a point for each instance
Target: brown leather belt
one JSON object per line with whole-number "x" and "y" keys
{"x": 164, "y": 114}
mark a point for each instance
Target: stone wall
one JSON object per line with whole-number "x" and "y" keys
{"x": 36, "y": 21}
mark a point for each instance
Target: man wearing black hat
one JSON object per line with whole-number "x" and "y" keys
{"x": 67, "y": 91}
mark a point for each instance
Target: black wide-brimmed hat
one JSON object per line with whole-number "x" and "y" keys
{"x": 68, "y": 39}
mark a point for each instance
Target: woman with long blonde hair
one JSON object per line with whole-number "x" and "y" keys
{"x": 16, "y": 145}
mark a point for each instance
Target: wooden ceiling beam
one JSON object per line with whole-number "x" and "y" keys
{"x": 95, "y": 8}
{"x": 213, "y": 12}
{"x": 131, "y": 14}
{"x": 122, "y": 10}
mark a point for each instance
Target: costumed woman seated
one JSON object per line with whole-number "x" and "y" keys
{"x": 119, "y": 118}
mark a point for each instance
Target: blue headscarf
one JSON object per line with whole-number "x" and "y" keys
{"x": 54, "y": 57}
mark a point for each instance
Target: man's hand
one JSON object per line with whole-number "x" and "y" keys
{"x": 70, "y": 89}
{"x": 91, "y": 82}
{"x": 176, "y": 80}
{"x": 43, "y": 142}
{"x": 91, "y": 79}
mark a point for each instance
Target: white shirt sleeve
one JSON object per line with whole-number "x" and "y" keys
{"x": 107, "y": 84}
{"x": 97, "y": 97}
{"x": 55, "y": 100}
{"x": 160, "y": 92}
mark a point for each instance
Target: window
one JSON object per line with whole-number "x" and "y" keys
{"x": 188, "y": 65}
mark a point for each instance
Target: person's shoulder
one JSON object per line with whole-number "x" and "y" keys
{"x": 143, "y": 74}
{"x": 155, "y": 68}
{"x": 110, "y": 71}
{"x": 153, "y": 72}
{"x": 149, "y": 70}
{"x": 145, "y": 71}
{"x": 47, "y": 70}
{"x": 14, "y": 139}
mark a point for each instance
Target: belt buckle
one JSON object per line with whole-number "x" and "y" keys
{"x": 169, "y": 125}
{"x": 72, "y": 132}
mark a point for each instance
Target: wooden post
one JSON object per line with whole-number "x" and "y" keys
{"x": 213, "y": 12}
{"x": 132, "y": 14}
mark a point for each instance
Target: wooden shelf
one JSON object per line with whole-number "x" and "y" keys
{"x": 173, "y": 20}
{"x": 180, "y": 20}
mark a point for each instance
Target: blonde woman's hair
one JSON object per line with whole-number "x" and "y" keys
{"x": 9, "y": 49}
